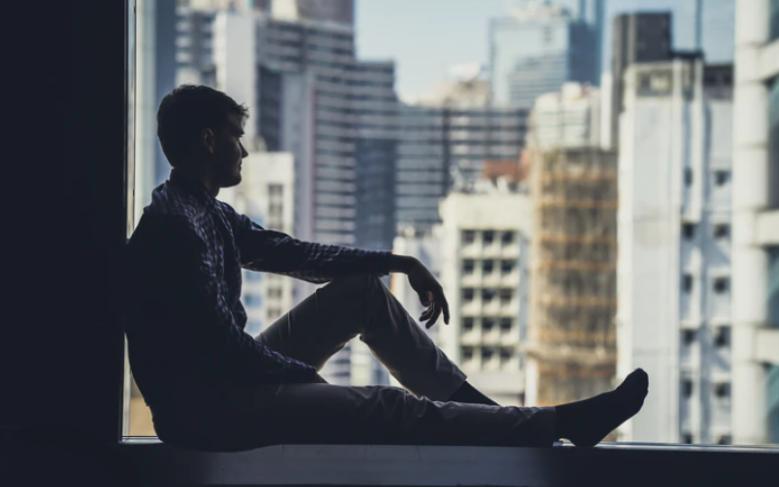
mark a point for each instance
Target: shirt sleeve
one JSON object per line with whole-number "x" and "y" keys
{"x": 273, "y": 251}
{"x": 187, "y": 278}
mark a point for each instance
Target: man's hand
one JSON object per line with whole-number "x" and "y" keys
{"x": 430, "y": 293}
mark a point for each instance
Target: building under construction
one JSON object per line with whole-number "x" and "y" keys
{"x": 571, "y": 351}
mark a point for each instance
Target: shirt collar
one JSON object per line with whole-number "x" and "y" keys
{"x": 192, "y": 186}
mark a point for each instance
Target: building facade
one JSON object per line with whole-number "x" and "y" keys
{"x": 537, "y": 49}
{"x": 674, "y": 316}
{"x": 571, "y": 341}
{"x": 442, "y": 148}
{"x": 755, "y": 205}
{"x": 485, "y": 244}
{"x": 571, "y": 344}
{"x": 569, "y": 117}
{"x": 636, "y": 38}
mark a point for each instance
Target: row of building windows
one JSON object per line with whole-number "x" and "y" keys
{"x": 504, "y": 294}
{"x": 487, "y": 324}
{"x": 487, "y": 237}
{"x": 721, "y": 338}
{"x": 488, "y": 353}
{"x": 489, "y": 266}
{"x": 720, "y": 230}
{"x": 720, "y": 285}
{"x": 721, "y": 390}
{"x": 721, "y": 176}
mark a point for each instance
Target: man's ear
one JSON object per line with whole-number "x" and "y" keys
{"x": 208, "y": 139}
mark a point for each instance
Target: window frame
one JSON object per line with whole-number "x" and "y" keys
{"x": 131, "y": 54}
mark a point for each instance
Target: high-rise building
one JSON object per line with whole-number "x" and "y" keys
{"x": 154, "y": 78}
{"x": 674, "y": 276}
{"x": 755, "y": 204}
{"x": 635, "y": 38}
{"x": 266, "y": 195}
{"x": 572, "y": 344}
{"x": 375, "y": 109}
{"x": 537, "y": 49}
{"x": 569, "y": 117}
{"x": 485, "y": 243}
{"x": 443, "y": 147}
{"x": 571, "y": 340}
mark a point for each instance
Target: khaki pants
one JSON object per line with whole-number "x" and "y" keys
{"x": 319, "y": 327}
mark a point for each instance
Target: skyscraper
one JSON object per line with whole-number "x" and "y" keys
{"x": 755, "y": 205}
{"x": 674, "y": 275}
{"x": 636, "y": 38}
{"x": 444, "y": 145}
{"x": 571, "y": 338}
{"x": 537, "y": 49}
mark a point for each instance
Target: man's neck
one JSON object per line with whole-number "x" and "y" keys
{"x": 208, "y": 184}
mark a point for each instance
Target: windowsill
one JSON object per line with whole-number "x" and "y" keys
{"x": 624, "y": 463}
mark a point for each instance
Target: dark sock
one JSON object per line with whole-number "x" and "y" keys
{"x": 587, "y": 422}
{"x": 468, "y": 393}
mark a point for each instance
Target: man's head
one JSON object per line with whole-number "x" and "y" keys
{"x": 200, "y": 129}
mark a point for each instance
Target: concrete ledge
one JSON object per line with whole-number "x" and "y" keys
{"x": 147, "y": 462}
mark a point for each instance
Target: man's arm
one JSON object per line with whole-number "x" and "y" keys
{"x": 272, "y": 251}
{"x": 184, "y": 279}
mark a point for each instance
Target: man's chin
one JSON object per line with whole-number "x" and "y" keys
{"x": 232, "y": 181}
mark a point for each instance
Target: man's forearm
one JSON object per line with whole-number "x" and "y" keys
{"x": 402, "y": 263}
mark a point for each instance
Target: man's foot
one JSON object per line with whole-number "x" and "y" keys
{"x": 587, "y": 422}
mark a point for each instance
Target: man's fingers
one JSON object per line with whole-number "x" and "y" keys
{"x": 434, "y": 318}
{"x": 426, "y": 313}
{"x": 445, "y": 307}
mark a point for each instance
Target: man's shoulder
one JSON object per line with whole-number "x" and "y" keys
{"x": 168, "y": 201}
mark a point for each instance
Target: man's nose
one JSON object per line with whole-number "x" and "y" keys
{"x": 243, "y": 151}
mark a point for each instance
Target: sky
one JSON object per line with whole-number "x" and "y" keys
{"x": 427, "y": 37}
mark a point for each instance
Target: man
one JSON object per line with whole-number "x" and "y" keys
{"x": 212, "y": 386}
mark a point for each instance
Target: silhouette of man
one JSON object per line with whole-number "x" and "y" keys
{"x": 212, "y": 386}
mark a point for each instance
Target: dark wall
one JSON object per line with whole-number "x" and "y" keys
{"x": 64, "y": 224}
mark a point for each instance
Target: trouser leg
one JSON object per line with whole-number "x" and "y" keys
{"x": 361, "y": 305}
{"x": 330, "y": 414}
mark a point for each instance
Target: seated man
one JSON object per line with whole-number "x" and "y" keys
{"x": 212, "y": 386}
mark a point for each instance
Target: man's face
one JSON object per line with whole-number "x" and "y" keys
{"x": 228, "y": 152}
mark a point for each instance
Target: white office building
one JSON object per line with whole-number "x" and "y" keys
{"x": 567, "y": 118}
{"x": 484, "y": 266}
{"x": 673, "y": 272}
{"x": 755, "y": 204}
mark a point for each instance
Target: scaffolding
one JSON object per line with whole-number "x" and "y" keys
{"x": 572, "y": 337}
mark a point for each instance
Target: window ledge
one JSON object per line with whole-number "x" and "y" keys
{"x": 153, "y": 463}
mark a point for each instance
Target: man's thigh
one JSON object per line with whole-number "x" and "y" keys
{"x": 321, "y": 324}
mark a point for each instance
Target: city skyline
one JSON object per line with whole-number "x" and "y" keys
{"x": 421, "y": 67}
{"x": 365, "y": 166}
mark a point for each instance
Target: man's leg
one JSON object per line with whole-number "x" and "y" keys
{"x": 361, "y": 305}
{"x": 330, "y": 414}
{"x": 317, "y": 413}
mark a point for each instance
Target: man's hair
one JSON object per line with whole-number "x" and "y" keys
{"x": 186, "y": 111}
